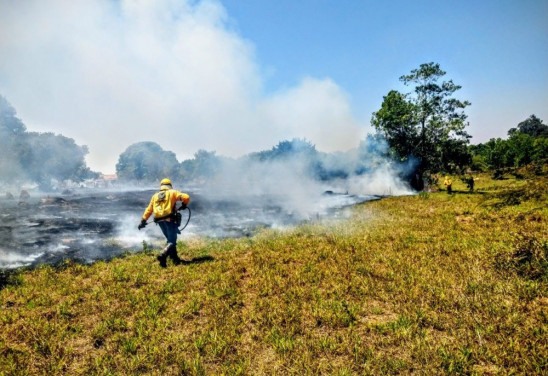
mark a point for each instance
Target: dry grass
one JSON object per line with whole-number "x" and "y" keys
{"x": 428, "y": 284}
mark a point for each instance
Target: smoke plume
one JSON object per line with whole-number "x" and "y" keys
{"x": 112, "y": 73}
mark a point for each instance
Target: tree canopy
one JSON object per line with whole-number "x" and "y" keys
{"x": 532, "y": 126}
{"x": 146, "y": 161}
{"x": 286, "y": 150}
{"x": 37, "y": 157}
{"x": 204, "y": 165}
{"x": 427, "y": 125}
{"x": 526, "y": 144}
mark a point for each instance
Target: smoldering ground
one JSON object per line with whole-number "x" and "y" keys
{"x": 239, "y": 198}
{"x": 93, "y": 225}
{"x": 90, "y": 225}
{"x": 172, "y": 83}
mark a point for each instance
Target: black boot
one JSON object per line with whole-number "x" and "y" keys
{"x": 162, "y": 258}
{"x": 172, "y": 253}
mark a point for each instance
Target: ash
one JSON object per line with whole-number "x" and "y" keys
{"x": 89, "y": 225}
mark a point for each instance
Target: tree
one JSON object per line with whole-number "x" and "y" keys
{"x": 532, "y": 126}
{"x": 12, "y": 142}
{"x": 495, "y": 152}
{"x": 10, "y": 124}
{"x": 296, "y": 148}
{"x": 204, "y": 165}
{"x": 146, "y": 161}
{"x": 49, "y": 156}
{"x": 526, "y": 144}
{"x": 395, "y": 121}
{"x": 37, "y": 157}
{"x": 427, "y": 125}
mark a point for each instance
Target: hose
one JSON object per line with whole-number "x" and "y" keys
{"x": 188, "y": 220}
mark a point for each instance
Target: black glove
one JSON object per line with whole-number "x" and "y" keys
{"x": 183, "y": 206}
{"x": 142, "y": 224}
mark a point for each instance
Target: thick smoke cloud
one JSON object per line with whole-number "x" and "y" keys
{"x": 297, "y": 178}
{"x": 112, "y": 73}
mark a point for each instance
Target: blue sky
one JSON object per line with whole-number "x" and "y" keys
{"x": 497, "y": 50}
{"x": 236, "y": 76}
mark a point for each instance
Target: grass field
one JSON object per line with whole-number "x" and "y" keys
{"x": 427, "y": 284}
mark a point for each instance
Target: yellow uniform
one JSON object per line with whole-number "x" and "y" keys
{"x": 162, "y": 203}
{"x": 448, "y": 182}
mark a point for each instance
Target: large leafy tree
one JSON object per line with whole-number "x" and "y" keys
{"x": 532, "y": 126}
{"x": 37, "y": 157}
{"x": 146, "y": 161}
{"x": 53, "y": 156}
{"x": 203, "y": 166}
{"x": 296, "y": 148}
{"x": 426, "y": 125}
{"x": 12, "y": 142}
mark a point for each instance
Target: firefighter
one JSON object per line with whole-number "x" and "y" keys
{"x": 448, "y": 184}
{"x": 162, "y": 204}
{"x": 470, "y": 183}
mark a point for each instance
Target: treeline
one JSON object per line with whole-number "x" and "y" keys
{"x": 42, "y": 158}
{"x": 420, "y": 134}
{"x": 527, "y": 144}
{"x": 147, "y": 161}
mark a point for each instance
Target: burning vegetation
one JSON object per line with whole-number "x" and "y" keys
{"x": 430, "y": 283}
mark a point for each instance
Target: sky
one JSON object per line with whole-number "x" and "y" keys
{"x": 236, "y": 76}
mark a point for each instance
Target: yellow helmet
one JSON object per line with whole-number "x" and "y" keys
{"x": 165, "y": 181}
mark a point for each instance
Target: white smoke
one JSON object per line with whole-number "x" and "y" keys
{"x": 109, "y": 74}
{"x": 10, "y": 259}
{"x": 380, "y": 182}
{"x": 286, "y": 183}
{"x": 299, "y": 182}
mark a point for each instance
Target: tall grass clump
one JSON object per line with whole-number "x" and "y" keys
{"x": 427, "y": 284}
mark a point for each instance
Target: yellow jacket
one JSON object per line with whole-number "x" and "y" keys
{"x": 171, "y": 196}
{"x": 447, "y": 181}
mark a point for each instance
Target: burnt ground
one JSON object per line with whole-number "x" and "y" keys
{"x": 96, "y": 225}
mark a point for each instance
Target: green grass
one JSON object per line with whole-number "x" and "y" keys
{"x": 427, "y": 284}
